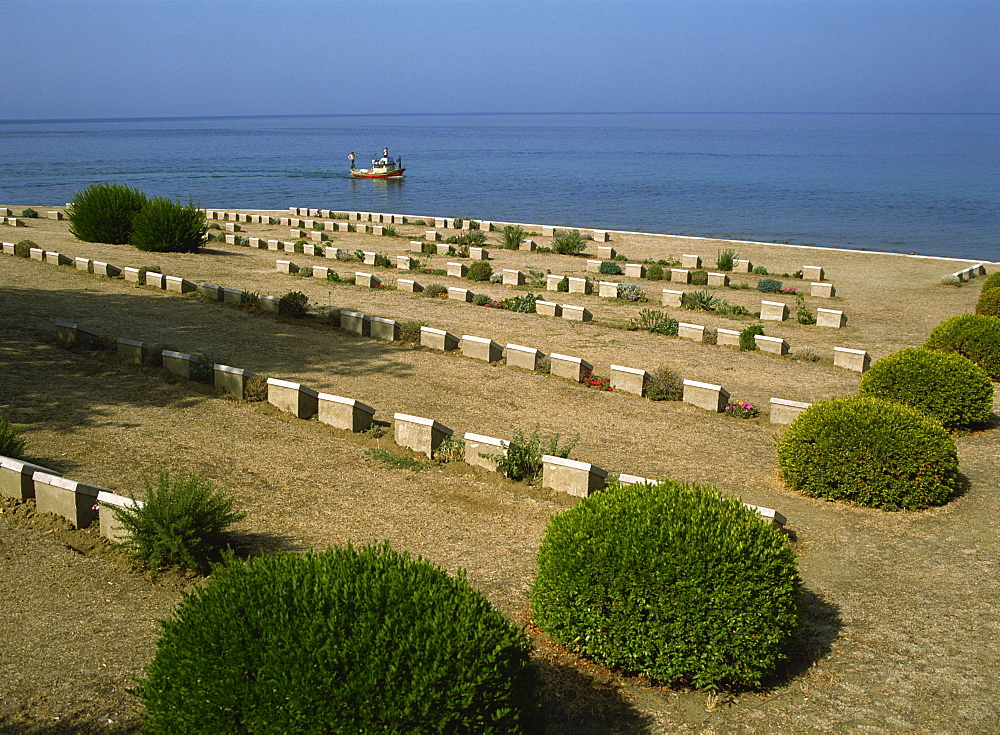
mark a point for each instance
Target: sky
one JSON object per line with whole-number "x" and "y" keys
{"x": 149, "y": 58}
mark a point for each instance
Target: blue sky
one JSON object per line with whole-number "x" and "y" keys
{"x": 133, "y": 58}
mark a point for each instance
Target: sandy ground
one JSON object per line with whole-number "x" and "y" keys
{"x": 902, "y": 629}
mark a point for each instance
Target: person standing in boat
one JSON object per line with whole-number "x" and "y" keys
{"x": 351, "y": 159}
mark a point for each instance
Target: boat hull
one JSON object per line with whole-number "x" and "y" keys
{"x": 369, "y": 173}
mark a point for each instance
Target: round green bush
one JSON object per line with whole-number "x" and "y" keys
{"x": 946, "y": 386}
{"x": 671, "y": 581}
{"x": 973, "y": 336}
{"x": 481, "y": 270}
{"x": 346, "y": 641}
{"x": 654, "y": 272}
{"x": 165, "y": 226}
{"x": 104, "y": 212}
{"x": 869, "y": 451}
{"x": 610, "y": 268}
{"x": 989, "y": 302}
{"x": 699, "y": 278}
{"x": 769, "y": 285}
{"x": 22, "y": 248}
{"x": 993, "y": 281}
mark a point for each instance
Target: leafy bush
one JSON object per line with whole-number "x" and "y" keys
{"x": 305, "y": 271}
{"x": 409, "y": 331}
{"x": 610, "y": 268}
{"x": 654, "y": 273}
{"x": 563, "y": 285}
{"x": 481, "y": 299}
{"x": 653, "y": 320}
{"x": 630, "y": 292}
{"x": 725, "y": 308}
{"x": 747, "y": 341}
{"x": 293, "y": 304}
{"x": 523, "y": 304}
{"x": 870, "y": 451}
{"x": 104, "y": 212}
{"x": 382, "y": 261}
{"x": 436, "y": 290}
{"x": 993, "y": 281}
{"x": 29, "y": 213}
{"x": 389, "y": 231}
{"x": 511, "y": 237}
{"x": 946, "y": 386}
{"x": 496, "y": 277}
{"x": 989, "y": 302}
{"x": 671, "y": 581}
{"x": 255, "y": 388}
{"x": 699, "y": 278}
{"x": 165, "y": 226}
{"x": 725, "y": 260}
{"x": 473, "y": 238}
{"x": 768, "y": 285}
{"x": 951, "y": 281}
{"x": 760, "y": 270}
{"x": 428, "y": 248}
{"x": 664, "y": 385}
{"x": 333, "y": 276}
{"x": 22, "y": 249}
{"x": 183, "y": 522}
{"x": 970, "y": 335}
{"x": 347, "y": 640}
{"x": 523, "y": 460}
{"x": 147, "y": 269}
{"x": 570, "y": 243}
{"x": 450, "y": 450}
{"x": 480, "y": 271}
{"x": 802, "y": 313}
{"x": 699, "y": 301}
{"x": 12, "y": 443}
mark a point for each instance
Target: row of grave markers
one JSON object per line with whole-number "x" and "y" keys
{"x": 417, "y": 433}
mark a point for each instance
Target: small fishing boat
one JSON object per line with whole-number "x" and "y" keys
{"x": 383, "y": 168}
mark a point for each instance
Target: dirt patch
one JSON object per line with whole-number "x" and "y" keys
{"x": 901, "y": 607}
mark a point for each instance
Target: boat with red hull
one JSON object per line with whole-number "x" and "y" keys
{"x": 384, "y": 168}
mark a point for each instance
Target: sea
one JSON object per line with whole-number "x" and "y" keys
{"x": 927, "y": 184}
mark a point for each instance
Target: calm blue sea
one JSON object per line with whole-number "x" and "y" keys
{"x": 927, "y": 184}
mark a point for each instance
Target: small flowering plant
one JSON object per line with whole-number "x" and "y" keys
{"x": 742, "y": 410}
{"x": 590, "y": 380}
{"x": 790, "y": 291}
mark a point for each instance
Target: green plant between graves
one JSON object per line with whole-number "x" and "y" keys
{"x": 294, "y": 304}
{"x": 523, "y": 459}
{"x": 104, "y": 212}
{"x": 802, "y": 313}
{"x": 396, "y": 461}
{"x": 29, "y": 213}
{"x": 511, "y": 237}
{"x": 436, "y": 291}
{"x": 725, "y": 260}
{"x": 655, "y": 321}
{"x": 450, "y": 450}
{"x": 12, "y": 442}
{"x": 570, "y": 243}
{"x": 654, "y": 272}
{"x": 699, "y": 301}
{"x": 610, "y": 268}
{"x": 183, "y": 522}
{"x": 348, "y": 640}
{"x": 747, "y": 341}
{"x": 165, "y": 226}
{"x": 22, "y": 249}
{"x": 480, "y": 271}
{"x": 672, "y": 581}
{"x": 409, "y": 331}
{"x": 664, "y": 385}
{"x": 630, "y": 292}
{"x": 768, "y": 285}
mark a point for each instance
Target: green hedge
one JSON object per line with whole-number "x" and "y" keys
{"x": 946, "y": 386}
{"x": 165, "y": 226}
{"x": 104, "y": 212}
{"x": 993, "y": 281}
{"x": 970, "y": 335}
{"x": 671, "y": 581}
{"x": 870, "y": 451}
{"x": 989, "y": 302}
{"x": 343, "y": 641}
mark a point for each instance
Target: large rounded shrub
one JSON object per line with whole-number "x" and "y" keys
{"x": 672, "y": 581}
{"x": 970, "y": 335}
{"x": 989, "y": 302}
{"x": 993, "y": 281}
{"x": 870, "y": 451}
{"x": 165, "y": 226}
{"x": 104, "y": 212}
{"x": 346, "y": 641}
{"x": 946, "y": 386}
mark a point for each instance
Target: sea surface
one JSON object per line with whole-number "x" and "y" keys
{"x": 927, "y": 184}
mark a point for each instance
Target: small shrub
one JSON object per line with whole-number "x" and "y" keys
{"x": 870, "y": 451}
{"x": 439, "y": 272}
{"x": 23, "y": 248}
{"x": 523, "y": 460}
{"x": 610, "y": 268}
{"x": 183, "y": 522}
{"x": 450, "y": 450}
{"x": 428, "y": 248}
{"x": 588, "y": 379}
{"x": 699, "y": 301}
{"x": 164, "y": 226}
{"x": 760, "y": 270}
{"x": 664, "y": 385}
{"x": 436, "y": 291}
{"x": 147, "y": 269}
{"x": 993, "y": 281}
{"x": 481, "y": 299}
{"x": 970, "y": 335}
{"x": 255, "y": 388}
{"x": 951, "y": 281}
{"x": 989, "y": 302}
{"x": 293, "y": 304}
{"x": 570, "y": 243}
{"x": 747, "y": 341}
{"x": 347, "y": 640}
{"x": 473, "y": 238}
{"x": 511, "y": 237}
{"x": 802, "y": 313}
{"x": 563, "y": 285}
{"x": 396, "y": 461}
{"x": 333, "y": 276}
{"x": 946, "y": 386}
{"x": 653, "y": 320}
{"x": 742, "y": 410}
{"x": 672, "y": 581}
{"x": 389, "y": 231}
{"x": 725, "y": 260}
{"x": 768, "y": 285}
{"x": 29, "y": 213}
{"x": 12, "y": 443}
{"x": 496, "y": 277}
{"x": 409, "y": 331}
{"x": 104, "y": 212}
{"x": 523, "y": 304}
{"x": 631, "y": 292}
{"x": 621, "y": 257}
{"x": 480, "y": 271}
{"x": 724, "y": 308}
{"x": 654, "y": 273}
{"x": 305, "y": 271}
{"x": 806, "y": 354}
{"x": 699, "y": 278}
{"x": 382, "y": 261}
{"x": 535, "y": 279}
